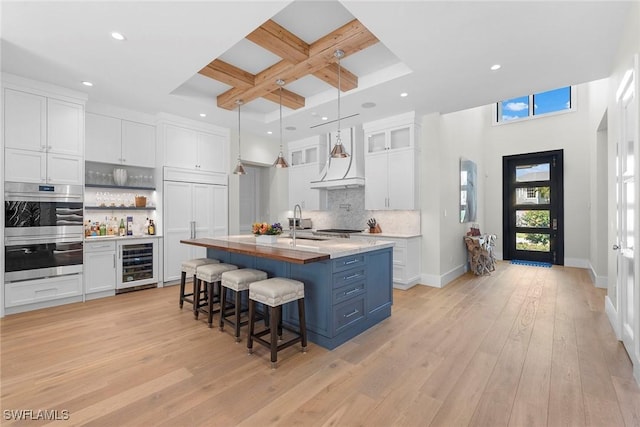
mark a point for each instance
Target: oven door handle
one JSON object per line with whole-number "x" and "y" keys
{"x": 64, "y": 251}
{"x": 10, "y": 241}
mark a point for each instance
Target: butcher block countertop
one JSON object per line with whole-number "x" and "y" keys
{"x": 305, "y": 251}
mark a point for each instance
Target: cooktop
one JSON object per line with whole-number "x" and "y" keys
{"x": 338, "y": 230}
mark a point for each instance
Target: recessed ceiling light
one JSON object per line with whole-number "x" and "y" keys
{"x": 290, "y": 128}
{"x": 269, "y": 132}
{"x": 404, "y": 94}
{"x": 368, "y": 105}
{"x": 325, "y": 118}
{"x": 495, "y": 67}
{"x": 203, "y": 115}
{"x": 86, "y": 83}
{"x": 314, "y": 114}
{"x": 118, "y": 36}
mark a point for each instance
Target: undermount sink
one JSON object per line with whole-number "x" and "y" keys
{"x": 311, "y": 238}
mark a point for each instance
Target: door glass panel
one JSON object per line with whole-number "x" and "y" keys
{"x": 629, "y": 289}
{"x": 515, "y": 108}
{"x": 533, "y": 195}
{"x": 629, "y": 214}
{"x": 376, "y": 142}
{"x": 629, "y": 133}
{"x": 400, "y": 138}
{"x": 533, "y": 219}
{"x": 538, "y": 242}
{"x": 311, "y": 155}
{"x": 296, "y": 158}
{"x": 528, "y": 173}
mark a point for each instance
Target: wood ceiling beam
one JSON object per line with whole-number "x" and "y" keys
{"x": 351, "y": 38}
{"x": 229, "y": 74}
{"x": 329, "y": 74}
{"x": 289, "y": 99}
{"x": 280, "y": 41}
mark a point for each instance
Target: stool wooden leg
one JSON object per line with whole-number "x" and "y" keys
{"x": 274, "y": 336}
{"x": 237, "y": 314}
{"x": 279, "y": 314}
{"x": 223, "y": 306}
{"x": 183, "y": 279}
{"x": 210, "y": 305}
{"x": 196, "y": 297}
{"x": 252, "y": 313}
{"x": 303, "y": 325}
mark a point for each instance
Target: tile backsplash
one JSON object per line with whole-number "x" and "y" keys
{"x": 346, "y": 210}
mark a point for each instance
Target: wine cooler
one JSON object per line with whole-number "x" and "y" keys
{"x": 138, "y": 263}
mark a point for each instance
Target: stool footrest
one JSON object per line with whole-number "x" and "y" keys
{"x": 258, "y": 338}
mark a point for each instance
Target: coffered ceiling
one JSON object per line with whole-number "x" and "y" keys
{"x": 188, "y": 58}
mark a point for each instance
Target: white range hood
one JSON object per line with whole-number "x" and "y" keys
{"x": 345, "y": 172}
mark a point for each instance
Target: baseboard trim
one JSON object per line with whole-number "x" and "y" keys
{"x": 598, "y": 281}
{"x": 612, "y": 314}
{"x": 576, "y": 262}
{"x": 444, "y": 279}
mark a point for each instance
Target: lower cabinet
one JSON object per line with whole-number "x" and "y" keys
{"x": 99, "y": 269}
{"x": 41, "y": 291}
{"x": 406, "y": 259}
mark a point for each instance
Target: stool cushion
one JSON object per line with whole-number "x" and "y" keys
{"x": 212, "y": 272}
{"x": 239, "y": 280}
{"x": 276, "y": 291}
{"x": 190, "y": 266}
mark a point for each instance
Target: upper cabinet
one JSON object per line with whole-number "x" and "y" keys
{"x": 118, "y": 141}
{"x": 306, "y": 158}
{"x": 44, "y": 137}
{"x": 391, "y": 163}
{"x": 194, "y": 148}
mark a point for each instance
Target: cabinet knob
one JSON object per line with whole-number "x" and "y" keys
{"x": 124, "y": 160}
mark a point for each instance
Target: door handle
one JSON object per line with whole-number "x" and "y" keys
{"x": 193, "y": 229}
{"x": 615, "y": 247}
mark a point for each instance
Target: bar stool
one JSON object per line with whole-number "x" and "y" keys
{"x": 210, "y": 274}
{"x": 276, "y": 292}
{"x": 189, "y": 268}
{"x": 238, "y": 281}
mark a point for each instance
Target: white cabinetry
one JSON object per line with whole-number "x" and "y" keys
{"x": 195, "y": 149}
{"x": 118, "y": 141}
{"x": 306, "y": 158}
{"x": 99, "y": 269}
{"x": 391, "y": 163}
{"x": 44, "y": 138}
{"x": 195, "y": 206}
{"x": 42, "y": 291}
{"x": 406, "y": 259}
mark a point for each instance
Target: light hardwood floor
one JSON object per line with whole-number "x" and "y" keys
{"x": 526, "y": 346}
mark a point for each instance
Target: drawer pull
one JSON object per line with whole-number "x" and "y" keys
{"x": 351, "y": 262}
{"x": 351, "y": 291}
{"x": 46, "y": 290}
{"x": 353, "y": 313}
{"x": 353, "y": 276}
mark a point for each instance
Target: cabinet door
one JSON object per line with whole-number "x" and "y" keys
{"x": 203, "y": 209}
{"x": 401, "y": 180}
{"x": 138, "y": 144}
{"x": 103, "y": 138}
{"x": 221, "y": 210}
{"x": 99, "y": 271}
{"x": 64, "y": 169}
{"x": 180, "y": 147}
{"x": 376, "y": 142}
{"x": 25, "y": 166}
{"x": 212, "y": 153}
{"x": 177, "y": 225}
{"x": 25, "y": 120}
{"x": 65, "y": 127}
{"x": 376, "y": 183}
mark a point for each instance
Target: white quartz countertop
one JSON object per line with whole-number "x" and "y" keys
{"x": 335, "y": 248}
{"x": 391, "y": 235}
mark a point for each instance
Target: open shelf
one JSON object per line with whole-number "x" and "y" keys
{"x": 119, "y": 187}
{"x": 120, "y": 208}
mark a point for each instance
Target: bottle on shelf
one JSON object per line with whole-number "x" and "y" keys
{"x": 129, "y": 226}
{"x": 103, "y": 227}
{"x": 146, "y": 226}
{"x": 152, "y": 228}
{"x": 122, "y": 231}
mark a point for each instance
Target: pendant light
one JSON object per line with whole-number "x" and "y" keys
{"x": 338, "y": 150}
{"x": 280, "y": 162}
{"x": 239, "y": 170}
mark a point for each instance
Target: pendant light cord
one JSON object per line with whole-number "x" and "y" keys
{"x": 281, "y": 119}
{"x": 338, "y": 139}
{"x": 239, "y": 150}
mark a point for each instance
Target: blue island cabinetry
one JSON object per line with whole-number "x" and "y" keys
{"x": 343, "y": 296}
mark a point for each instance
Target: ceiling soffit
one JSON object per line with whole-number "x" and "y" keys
{"x": 298, "y": 59}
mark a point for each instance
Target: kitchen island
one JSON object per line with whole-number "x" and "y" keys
{"x": 347, "y": 282}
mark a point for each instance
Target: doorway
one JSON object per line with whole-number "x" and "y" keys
{"x": 533, "y": 211}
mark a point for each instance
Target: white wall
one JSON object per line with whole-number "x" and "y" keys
{"x": 260, "y": 152}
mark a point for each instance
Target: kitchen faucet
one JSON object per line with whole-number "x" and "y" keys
{"x": 295, "y": 224}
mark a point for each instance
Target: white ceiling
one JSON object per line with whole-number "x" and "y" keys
{"x": 438, "y": 52}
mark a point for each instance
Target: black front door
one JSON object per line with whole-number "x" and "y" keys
{"x": 533, "y": 212}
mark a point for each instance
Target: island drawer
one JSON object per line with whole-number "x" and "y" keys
{"x": 348, "y": 313}
{"x": 349, "y": 276}
{"x": 348, "y": 292}
{"x": 347, "y": 262}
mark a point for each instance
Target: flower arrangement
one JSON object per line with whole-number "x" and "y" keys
{"x": 262, "y": 228}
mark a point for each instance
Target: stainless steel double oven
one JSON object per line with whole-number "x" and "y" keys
{"x": 43, "y": 230}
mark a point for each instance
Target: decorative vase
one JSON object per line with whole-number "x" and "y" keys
{"x": 266, "y": 239}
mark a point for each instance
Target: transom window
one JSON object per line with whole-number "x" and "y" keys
{"x": 526, "y": 107}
